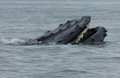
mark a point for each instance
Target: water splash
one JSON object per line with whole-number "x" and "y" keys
{"x": 17, "y": 41}
{"x": 12, "y": 41}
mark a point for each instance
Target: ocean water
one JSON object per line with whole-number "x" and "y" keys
{"x": 20, "y": 21}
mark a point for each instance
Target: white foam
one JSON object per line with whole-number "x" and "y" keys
{"x": 13, "y": 41}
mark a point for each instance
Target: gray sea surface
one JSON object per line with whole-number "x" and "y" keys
{"x": 20, "y": 20}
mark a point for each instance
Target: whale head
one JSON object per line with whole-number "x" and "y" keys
{"x": 70, "y": 32}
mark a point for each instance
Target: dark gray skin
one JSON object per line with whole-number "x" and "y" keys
{"x": 65, "y": 33}
{"x": 94, "y": 36}
{"x": 68, "y": 32}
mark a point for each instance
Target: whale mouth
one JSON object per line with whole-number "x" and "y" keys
{"x": 74, "y": 31}
{"x": 81, "y": 35}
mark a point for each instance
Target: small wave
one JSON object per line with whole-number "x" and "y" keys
{"x": 12, "y": 41}
{"x": 17, "y": 41}
{"x": 75, "y": 71}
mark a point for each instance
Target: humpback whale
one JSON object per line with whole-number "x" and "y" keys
{"x": 74, "y": 31}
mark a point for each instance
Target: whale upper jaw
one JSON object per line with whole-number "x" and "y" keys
{"x": 70, "y": 32}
